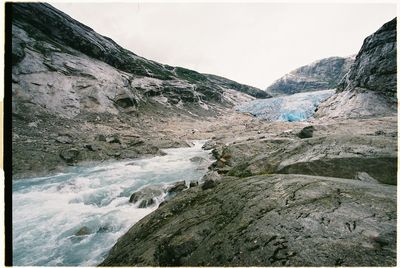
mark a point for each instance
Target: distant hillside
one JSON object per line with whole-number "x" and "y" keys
{"x": 319, "y": 75}
{"x": 252, "y": 91}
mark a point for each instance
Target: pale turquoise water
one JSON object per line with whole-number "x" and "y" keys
{"x": 48, "y": 211}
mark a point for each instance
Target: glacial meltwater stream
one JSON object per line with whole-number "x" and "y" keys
{"x": 48, "y": 211}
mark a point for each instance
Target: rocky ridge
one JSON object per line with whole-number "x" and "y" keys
{"x": 319, "y": 75}
{"x": 370, "y": 87}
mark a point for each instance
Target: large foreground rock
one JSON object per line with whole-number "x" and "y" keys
{"x": 291, "y": 220}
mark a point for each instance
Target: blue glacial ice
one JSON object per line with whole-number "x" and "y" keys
{"x": 296, "y": 107}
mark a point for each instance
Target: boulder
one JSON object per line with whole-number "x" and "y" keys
{"x": 210, "y": 144}
{"x": 208, "y": 184}
{"x": 197, "y": 159}
{"x": 146, "y": 203}
{"x": 146, "y": 195}
{"x": 193, "y": 184}
{"x": 177, "y": 187}
{"x": 306, "y": 132}
{"x": 83, "y": 231}
{"x": 69, "y": 155}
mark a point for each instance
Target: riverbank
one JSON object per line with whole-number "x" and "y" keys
{"x": 83, "y": 212}
{"x": 335, "y": 207}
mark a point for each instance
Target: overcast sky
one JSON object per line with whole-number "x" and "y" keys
{"x": 252, "y": 43}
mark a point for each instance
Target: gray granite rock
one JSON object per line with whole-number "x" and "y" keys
{"x": 319, "y": 75}
{"x": 267, "y": 220}
{"x": 370, "y": 86}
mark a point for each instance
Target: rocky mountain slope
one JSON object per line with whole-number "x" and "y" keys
{"x": 319, "y": 75}
{"x": 370, "y": 87}
{"x": 252, "y": 91}
{"x": 316, "y": 193}
{"x": 77, "y": 95}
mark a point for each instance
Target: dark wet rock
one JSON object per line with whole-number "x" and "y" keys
{"x": 197, "y": 159}
{"x": 267, "y": 220}
{"x": 146, "y": 196}
{"x": 91, "y": 147}
{"x": 193, "y": 184}
{"x": 146, "y": 203}
{"x": 380, "y": 132}
{"x": 104, "y": 229}
{"x": 163, "y": 203}
{"x": 177, "y": 187}
{"x": 208, "y": 184}
{"x": 83, "y": 231}
{"x": 306, "y": 132}
{"x": 319, "y": 75}
{"x": 69, "y": 155}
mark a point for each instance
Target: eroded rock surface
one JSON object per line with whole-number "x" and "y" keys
{"x": 275, "y": 220}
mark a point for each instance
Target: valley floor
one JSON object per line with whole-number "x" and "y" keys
{"x": 273, "y": 198}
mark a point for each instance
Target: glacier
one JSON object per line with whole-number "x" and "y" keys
{"x": 296, "y": 107}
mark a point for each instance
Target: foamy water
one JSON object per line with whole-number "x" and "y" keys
{"x": 48, "y": 211}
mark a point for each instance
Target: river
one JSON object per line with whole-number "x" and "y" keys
{"x": 48, "y": 211}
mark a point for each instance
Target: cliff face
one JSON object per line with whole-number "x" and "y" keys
{"x": 49, "y": 42}
{"x": 319, "y": 75}
{"x": 70, "y": 84}
{"x": 369, "y": 88}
